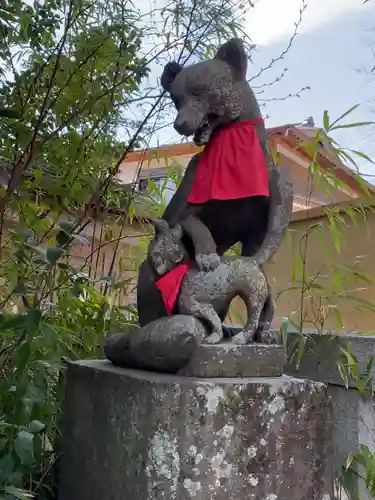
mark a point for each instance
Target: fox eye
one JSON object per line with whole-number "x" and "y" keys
{"x": 176, "y": 257}
{"x": 198, "y": 89}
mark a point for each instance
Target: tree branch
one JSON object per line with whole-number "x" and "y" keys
{"x": 286, "y": 50}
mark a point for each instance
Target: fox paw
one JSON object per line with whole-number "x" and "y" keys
{"x": 214, "y": 338}
{"x": 267, "y": 336}
{"x": 242, "y": 338}
{"x": 207, "y": 262}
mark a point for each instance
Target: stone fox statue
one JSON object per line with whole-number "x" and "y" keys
{"x": 207, "y": 295}
{"x": 233, "y": 187}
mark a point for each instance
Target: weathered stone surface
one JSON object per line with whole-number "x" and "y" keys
{"x": 133, "y": 435}
{"x": 228, "y": 360}
{"x": 321, "y": 353}
{"x": 165, "y": 345}
{"x": 353, "y": 415}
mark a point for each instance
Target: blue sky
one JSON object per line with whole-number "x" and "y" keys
{"x": 332, "y": 54}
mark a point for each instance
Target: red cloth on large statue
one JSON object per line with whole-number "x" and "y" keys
{"x": 231, "y": 166}
{"x": 170, "y": 285}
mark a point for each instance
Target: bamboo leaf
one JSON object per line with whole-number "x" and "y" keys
{"x": 343, "y": 374}
{"x": 54, "y": 254}
{"x": 349, "y": 480}
{"x": 352, "y": 125}
{"x": 362, "y": 277}
{"x": 344, "y": 115}
{"x": 335, "y": 234}
{"x": 349, "y": 460}
{"x": 362, "y": 155}
{"x": 32, "y": 321}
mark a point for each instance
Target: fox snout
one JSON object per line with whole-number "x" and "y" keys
{"x": 188, "y": 121}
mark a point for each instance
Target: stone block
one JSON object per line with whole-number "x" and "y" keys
{"x": 230, "y": 360}
{"x": 132, "y": 435}
{"x": 321, "y": 353}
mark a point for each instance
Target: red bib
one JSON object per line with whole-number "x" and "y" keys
{"x": 170, "y": 285}
{"x": 231, "y": 166}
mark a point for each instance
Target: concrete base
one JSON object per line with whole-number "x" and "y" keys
{"x": 132, "y": 435}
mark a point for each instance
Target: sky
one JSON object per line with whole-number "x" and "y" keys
{"x": 332, "y": 54}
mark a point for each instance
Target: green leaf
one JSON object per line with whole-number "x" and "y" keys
{"x": 3, "y": 443}
{"x": 349, "y": 481}
{"x": 362, "y": 277}
{"x": 349, "y": 460}
{"x": 335, "y": 234}
{"x": 18, "y": 493}
{"x": 352, "y": 361}
{"x": 32, "y": 321}
{"x": 288, "y": 236}
{"x": 352, "y": 125}
{"x": 24, "y": 447}
{"x": 23, "y": 356}
{"x": 339, "y": 322}
{"x": 370, "y": 362}
{"x": 365, "y": 452}
{"x": 54, "y": 254}
{"x": 300, "y": 350}
{"x": 65, "y": 233}
{"x": 363, "y": 302}
{"x": 7, "y": 468}
{"x": 49, "y": 335}
{"x": 350, "y": 110}
{"x": 38, "y": 250}
{"x": 34, "y": 395}
{"x": 35, "y": 426}
{"x": 283, "y": 333}
{"x": 362, "y": 155}
{"x": 326, "y": 120}
{"x": 343, "y": 374}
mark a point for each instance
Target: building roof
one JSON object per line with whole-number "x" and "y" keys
{"x": 328, "y": 159}
{"x": 288, "y": 138}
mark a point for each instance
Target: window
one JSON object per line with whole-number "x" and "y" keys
{"x": 168, "y": 190}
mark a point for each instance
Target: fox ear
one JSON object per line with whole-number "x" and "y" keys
{"x": 177, "y": 232}
{"x": 170, "y": 72}
{"x": 233, "y": 53}
{"x": 161, "y": 226}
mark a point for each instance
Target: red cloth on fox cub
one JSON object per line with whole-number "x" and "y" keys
{"x": 231, "y": 166}
{"x": 170, "y": 285}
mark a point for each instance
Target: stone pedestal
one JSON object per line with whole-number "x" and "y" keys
{"x": 132, "y": 435}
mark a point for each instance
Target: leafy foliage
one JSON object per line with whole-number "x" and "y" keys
{"x": 76, "y": 96}
{"x": 323, "y": 295}
{"x": 75, "y": 76}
